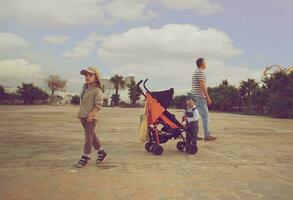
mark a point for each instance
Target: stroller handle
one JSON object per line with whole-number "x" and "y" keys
{"x": 138, "y": 87}
{"x": 144, "y": 85}
{"x": 146, "y": 80}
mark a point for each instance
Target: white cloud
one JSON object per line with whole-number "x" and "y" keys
{"x": 84, "y": 48}
{"x": 198, "y": 6}
{"x": 54, "y": 13}
{"x": 11, "y": 41}
{"x": 15, "y": 71}
{"x": 56, "y": 39}
{"x": 131, "y": 10}
{"x": 60, "y": 13}
{"x": 167, "y": 55}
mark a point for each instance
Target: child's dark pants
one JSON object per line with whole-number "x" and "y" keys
{"x": 90, "y": 136}
{"x": 192, "y": 129}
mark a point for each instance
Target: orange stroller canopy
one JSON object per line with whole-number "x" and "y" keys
{"x": 155, "y": 111}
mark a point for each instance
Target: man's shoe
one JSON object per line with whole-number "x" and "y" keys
{"x": 198, "y": 138}
{"x": 210, "y": 138}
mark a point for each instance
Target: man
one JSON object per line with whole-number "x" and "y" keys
{"x": 201, "y": 97}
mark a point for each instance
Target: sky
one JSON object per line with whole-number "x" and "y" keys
{"x": 155, "y": 39}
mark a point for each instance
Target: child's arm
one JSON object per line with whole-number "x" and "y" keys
{"x": 97, "y": 106}
{"x": 196, "y": 114}
{"x": 183, "y": 117}
{"x": 91, "y": 115}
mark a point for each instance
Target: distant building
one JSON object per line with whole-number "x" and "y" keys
{"x": 108, "y": 89}
{"x": 9, "y": 89}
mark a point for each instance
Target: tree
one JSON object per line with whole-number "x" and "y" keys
{"x": 55, "y": 83}
{"x": 118, "y": 82}
{"x": 29, "y": 93}
{"x": 246, "y": 89}
{"x": 2, "y": 93}
{"x": 279, "y": 88}
{"x": 134, "y": 94}
{"x": 259, "y": 99}
{"x": 225, "y": 96}
{"x": 179, "y": 101}
{"x": 115, "y": 99}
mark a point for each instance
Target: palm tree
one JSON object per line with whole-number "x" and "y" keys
{"x": 134, "y": 94}
{"x": 224, "y": 96}
{"x": 259, "y": 98}
{"x": 119, "y": 83}
{"x": 251, "y": 86}
{"x": 246, "y": 89}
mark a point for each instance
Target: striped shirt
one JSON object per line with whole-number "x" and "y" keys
{"x": 197, "y": 76}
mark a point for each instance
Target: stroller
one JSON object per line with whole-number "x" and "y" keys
{"x": 161, "y": 124}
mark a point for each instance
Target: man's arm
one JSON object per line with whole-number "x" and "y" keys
{"x": 205, "y": 91}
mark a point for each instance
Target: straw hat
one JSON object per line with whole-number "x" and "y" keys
{"x": 92, "y": 70}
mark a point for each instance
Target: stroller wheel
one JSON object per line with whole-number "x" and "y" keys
{"x": 191, "y": 149}
{"x": 157, "y": 149}
{"x": 148, "y": 146}
{"x": 180, "y": 145}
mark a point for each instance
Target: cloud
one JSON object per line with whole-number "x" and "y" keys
{"x": 198, "y": 6}
{"x": 54, "y": 13}
{"x": 167, "y": 55}
{"x": 56, "y": 39}
{"x": 10, "y": 41}
{"x": 131, "y": 10}
{"x": 84, "y": 48}
{"x": 61, "y": 13}
{"x": 15, "y": 71}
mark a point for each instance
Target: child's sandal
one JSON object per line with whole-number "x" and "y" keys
{"x": 101, "y": 156}
{"x": 83, "y": 162}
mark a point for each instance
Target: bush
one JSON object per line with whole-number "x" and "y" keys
{"x": 115, "y": 99}
{"x": 30, "y": 93}
{"x": 179, "y": 101}
{"x": 75, "y": 100}
{"x": 281, "y": 108}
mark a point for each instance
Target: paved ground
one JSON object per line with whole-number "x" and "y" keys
{"x": 252, "y": 159}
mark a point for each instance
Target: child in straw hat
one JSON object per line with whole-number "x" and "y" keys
{"x": 91, "y": 102}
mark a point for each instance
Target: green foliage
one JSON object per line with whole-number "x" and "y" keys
{"x": 134, "y": 94}
{"x": 55, "y": 83}
{"x": 29, "y": 93}
{"x": 274, "y": 97}
{"x": 118, "y": 82}
{"x": 2, "y": 93}
{"x": 75, "y": 100}
{"x": 246, "y": 90}
{"x": 279, "y": 88}
{"x": 179, "y": 101}
{"x": 115, "y": 99}
{"x": 225, "y": 96}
